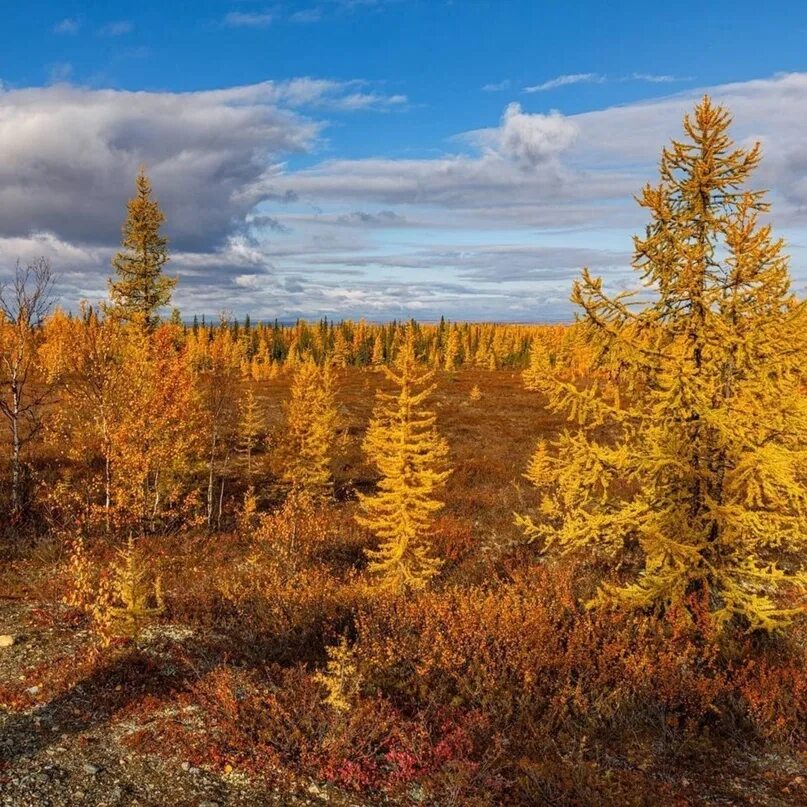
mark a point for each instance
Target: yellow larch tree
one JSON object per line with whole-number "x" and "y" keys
{"x": 140, "y": 288}
{"x": 378, "y": 351}
{"x": 402, "y": 442}
{"x": 311, "y": 421}
{"x": 155, "y": 433}
{"x": 251, "y": 419}
{"x": 128, "y": 414}
{"x": 340, "y": 355}
{"x": 452, "y": 350}
{"x": 684, "y": 461}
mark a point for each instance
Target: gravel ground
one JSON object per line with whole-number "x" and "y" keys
{"x": 67, "y": 751}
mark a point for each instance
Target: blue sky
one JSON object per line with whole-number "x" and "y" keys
{"x": 378, "y": 157}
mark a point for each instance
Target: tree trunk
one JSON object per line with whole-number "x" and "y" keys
{"x": 210, "y": 479}
{"x": 15, "y": 446}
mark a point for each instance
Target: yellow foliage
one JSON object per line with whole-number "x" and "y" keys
{"x": 250, "y": 427}
{"x": 81, "y": 590}
{"x": 688, "y": 425}
{"x": 341, "y": 677}
{"x": 140, "y": 287}
{"x": 311, "y": 422}
{"x": 403, "y": 444}
{"x": 136, "y": 594}
{"x": 126, "y": 397}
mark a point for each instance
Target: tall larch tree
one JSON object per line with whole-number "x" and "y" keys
{"x": 402, "y": 442}
{"x": 686, "y": 455}
{"x": 452, "y": 350}
{"x": 378, "y": 351}
{"x": 311, "y": 421}
{"x": 140, "y": 288}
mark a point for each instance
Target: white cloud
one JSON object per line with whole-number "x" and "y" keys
{"x": 497, "y": 86}
{"x": 307, "y": 15}
{"x": 311, "y": 92}
{"x": 247, "y": 19}
{"x": 69, "y": 25}
{"x": 589, "y": 157}
{"x": 533, "y": 139}
{"x": 599, "y": 78}
{"x": 365, "y": 100}
{"x": 566, "y": 80}
{"x": 117, "y": 28}
{"x": 70, "y": 155}
{"x": 654, "y": 78}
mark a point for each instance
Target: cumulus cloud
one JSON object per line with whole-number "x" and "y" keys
{"x": 534, "y": 139}
{"x": 70, "y": 155}
{"x": 588, "y": 158}
{"x": 567, "y": 181}
{"x": 517, "y": 161}
{"x": 768, "y": 110}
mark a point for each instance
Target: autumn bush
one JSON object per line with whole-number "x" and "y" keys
{"x": 536, "y": 665}
{"x": 281, "y": 592}
{"x": 496, "y": 696}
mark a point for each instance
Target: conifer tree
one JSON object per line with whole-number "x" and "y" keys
{"x": 378, "y": 351}
{"x": 250, "y": 425}
{"x": 452, "y": 349}
{"x": 311, "y": 423}
{"x": 685, "y": 459}
{"x": 86, "y": 355}
{"x": 154, "y": 426}
{"x": 137, "y": 594}
{"x": 140, "y": 287}
{"x": 340, "y": 355}
{"x": 217, "y": 362}
{"x": 403, "y": 444}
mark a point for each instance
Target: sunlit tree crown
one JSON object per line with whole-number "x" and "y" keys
{"x": 686, "y": 452}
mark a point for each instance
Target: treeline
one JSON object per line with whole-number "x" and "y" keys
{"x": 125, "y": 422}
{"x": 267, "y": 347}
